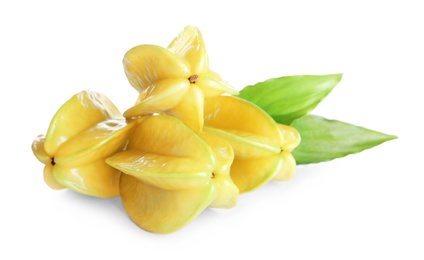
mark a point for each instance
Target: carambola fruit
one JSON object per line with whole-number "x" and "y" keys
{"x": 173, "y": 80}
{"x": 168, "y": 174}
{"x": 187, "y": 144}
{"x": 261, "y": 146}
{"x": 85, "y": 130}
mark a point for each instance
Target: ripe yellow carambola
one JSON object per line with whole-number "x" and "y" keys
{"x": 261, "y": 146}
{"x": 83, "y": 132}
{"x": 224, "y": 156}
{"x": 189, "y": 144}
{"x": 170, "y": 174}
{"x": 174, "y": 80}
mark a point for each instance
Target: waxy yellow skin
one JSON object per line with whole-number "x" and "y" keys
{"x": 167, "y": 174}
{"x": 187, "y": 144}
{"x": 227, "y": 190}
{"x": 174, "y": 80}
{"x": 85, "y": 130}
{"x": 261, "y": 146}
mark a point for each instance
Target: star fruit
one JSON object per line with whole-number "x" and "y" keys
{"x": 224, "y": 154}
{"x": 174, "y": 80}
{"x": 262, "y": 148}
{"x": 170, "y": 174}
{"x": 83, "y": 132}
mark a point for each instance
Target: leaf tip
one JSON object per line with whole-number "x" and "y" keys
{"x": 392, "y": 137}
{"x": 337, "y": 76}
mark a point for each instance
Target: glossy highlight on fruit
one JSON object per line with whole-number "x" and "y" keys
{"x": 261, "y": 146}
{"x": 228, "y": 192}
{"x": 85, "y": 130}
{"x": 174, "y": 80}
{"x": 167, "y": 175}
{"x": 188, "y": 144}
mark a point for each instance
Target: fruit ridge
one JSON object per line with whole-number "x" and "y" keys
{"x": 188, "y": 142}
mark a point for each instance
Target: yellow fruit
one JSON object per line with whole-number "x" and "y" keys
{"x": 285, "y": 172}
{"x": 82, "y": 111}
{"x": 167, "y": 79}
{"x": 250, "y": 174}
{"x": 167, "y": 174}
{"x": 163, "y": 211}
{"x": 186, "y": 110}
{"x": 85, "y": 130}
{"x": 213, "y": 85}
{"x": 227, "y": 191}
{"x": 250, "y": 130}
{"x": 159, "y": 98}
{"x": 291, "y": 137}
{"x": 190, "y": 45}
{"x": 261, "y": 146}
{"x": 245, "y": 145}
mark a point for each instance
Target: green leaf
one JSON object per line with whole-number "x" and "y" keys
{"x": 291, "y": 97}
{"x": 325, "y": 140}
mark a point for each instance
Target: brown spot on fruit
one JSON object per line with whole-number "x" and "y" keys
{"x": 193, "y": 78}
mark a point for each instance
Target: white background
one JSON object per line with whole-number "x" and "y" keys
{"x": 364, "y": 206}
